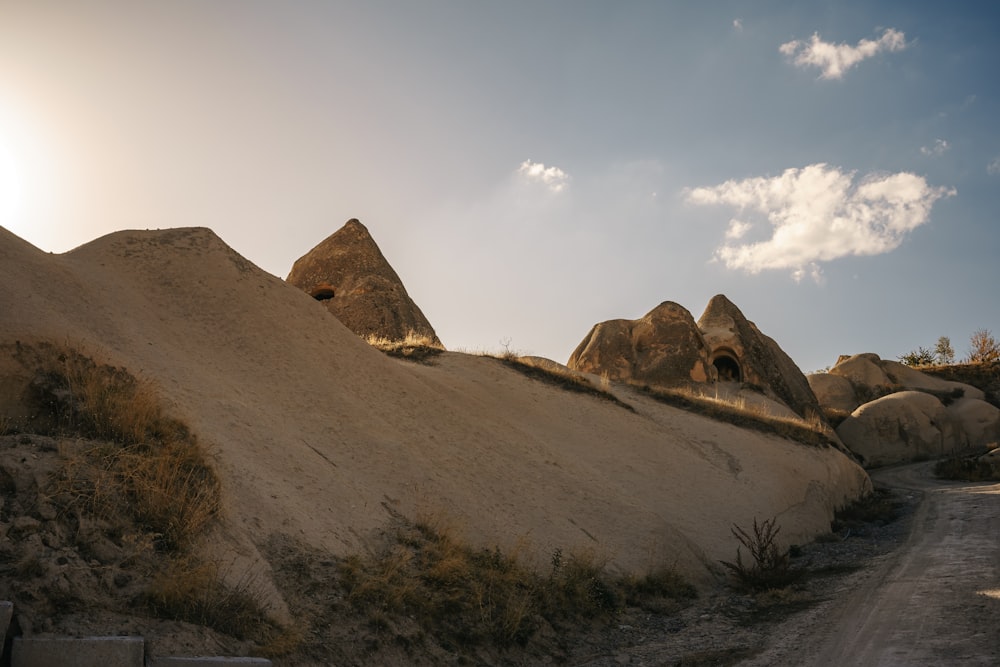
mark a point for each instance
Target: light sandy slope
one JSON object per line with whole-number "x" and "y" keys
{"x": 315, "y": 433}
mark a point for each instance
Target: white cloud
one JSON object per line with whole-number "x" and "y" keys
{"x": 819, "y": 213}
{"x": 836, "y": 59}
{"x": 993, "y": 168}
{"x": 554, "y": 178}
{"x": 937, "y": 148}
{"x": 738, "y": 25}
{"x": 737, "y": 229}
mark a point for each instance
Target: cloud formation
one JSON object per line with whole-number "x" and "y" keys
{"x": 937, "y": 148}
{"x": 554, "y": 178}
{"x": 993, "y": 167}
{"x": 835, "y": 59}
{"x": 817, "y": 214}
{"x": 738, "y": 25}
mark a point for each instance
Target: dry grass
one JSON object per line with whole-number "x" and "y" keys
{"x": 466, "y": 597}
{"x": 190, "y": 589}
{"x": 966, "y": 469}
{"x": 563, "y": 378}
{"x": 740, "y": 412}
{"x": 145, "y": 464}
{"x": 414, "y": 347}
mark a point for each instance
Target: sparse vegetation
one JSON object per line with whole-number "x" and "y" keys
{"x": 918, "y": 357}
{"x": 771, "y": 567}
{"x": 414, "y": 347}
{"x": 879, "y": 507}
{"x": 467, "y": 597}
{"x": 566, "y": 379}
{"x": 967, "y": 469}
{"x": 741, "y": 413}
{"x": 138, "y": 489}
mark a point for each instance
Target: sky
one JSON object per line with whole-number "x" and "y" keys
{"x": 533, "y": 168}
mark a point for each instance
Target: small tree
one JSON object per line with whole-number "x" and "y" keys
{"x": 984, "y": 347}
{"x": 918, "y": 357}
{"x": 944, "y": 353}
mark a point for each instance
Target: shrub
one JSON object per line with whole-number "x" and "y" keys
{"x": 966, "y": 470}
{"x": 771, "y": 567}
{"x": 983, "y": 347}
{"x": 918, "y": 357}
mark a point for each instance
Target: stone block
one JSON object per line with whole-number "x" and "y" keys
{"x": 180, "y": 661}
{"x": 77, "y": 652}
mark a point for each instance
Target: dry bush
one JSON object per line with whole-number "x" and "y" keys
{"x": 881, "y": 506}
{"x": 966, "y": 469}
{"x": 983, "y": 347}
{"x": 770, "y": 568}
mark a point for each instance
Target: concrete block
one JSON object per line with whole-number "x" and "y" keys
{"x": 77, "y": 652}
{"x": 6, "y": 613}
{"x": 177, "y": 661}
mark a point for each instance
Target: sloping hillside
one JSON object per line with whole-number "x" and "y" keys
{"x": 319, "y": 437}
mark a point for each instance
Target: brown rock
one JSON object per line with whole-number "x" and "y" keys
{"x": 663, "y": 347}
{"x": 739, "y": 351}
{"x": 349, "y": 275}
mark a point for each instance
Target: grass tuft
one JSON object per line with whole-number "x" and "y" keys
{"x": 967, "y": 469}
{"x": 564, "y": 379}
{"x": 414, "y": 347}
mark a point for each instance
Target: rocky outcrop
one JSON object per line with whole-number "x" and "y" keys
{"x": 661, "y": 348}
{"x": 737, "y": 346}
{"x": 898, "y": 414}
{"x": 904, "y": 426}
{"x": 667, "y": 347}
{"x": 349, "y": 275}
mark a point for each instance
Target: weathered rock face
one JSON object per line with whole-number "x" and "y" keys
{"x": 664, "y": 347}
{"x": 834, "y": 392}
{"x": 738, "y": 347}
{"x": 905, "y": 426}
{"x": 349, "y": 274}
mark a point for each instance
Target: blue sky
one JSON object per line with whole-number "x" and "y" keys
{"x": 532, "y": 168}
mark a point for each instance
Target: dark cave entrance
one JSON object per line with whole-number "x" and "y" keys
{"x": 728, "y": 368}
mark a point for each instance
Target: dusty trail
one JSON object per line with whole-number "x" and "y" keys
{"x": 936, "y": 601}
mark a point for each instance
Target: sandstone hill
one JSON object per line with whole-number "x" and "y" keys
{"x": 890, "y": 413}
{"x": 350, "y": 276}
{"x": 667, "y": 347}
{"x": 319, "y": 439}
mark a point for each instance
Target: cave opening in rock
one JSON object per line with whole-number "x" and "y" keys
{"x": 322, "y": 293}
{"x": 728, "y": 368}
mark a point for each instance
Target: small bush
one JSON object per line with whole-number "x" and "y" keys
{"x": 966, "y": 470}
{"x": 771, "y": 567}
{"x": 880, "y": 507}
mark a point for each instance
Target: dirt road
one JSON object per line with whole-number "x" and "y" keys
{"x": 935, "y": 601}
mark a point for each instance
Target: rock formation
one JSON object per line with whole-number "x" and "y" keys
{"x": 892, "y": 413}
{"x": 663, "y": 347}
{"x": 667, "y": 347}
{"x": 349, "y": 275}
{"x": 741, "y": 352}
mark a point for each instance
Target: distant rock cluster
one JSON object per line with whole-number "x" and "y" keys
{"x": 892, "y": 413}
{"x": 348, "y": 273}
{"x": 667, "y": 347}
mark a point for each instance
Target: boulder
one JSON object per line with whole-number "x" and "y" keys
{"x": 348, "y": 274}
{"x": 978, "y": 420}
{"x": 904, "y": 426}
{"x": 835, "y": 393}
{"x": 864, "y": 371}
{"x": 738, "y": 347}
{"x": 663, "y": 347}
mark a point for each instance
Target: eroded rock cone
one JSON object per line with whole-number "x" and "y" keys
{"x": 663, "y": 347}
{"x": 741, "y": 352}
{"x": 348, "y": 273}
